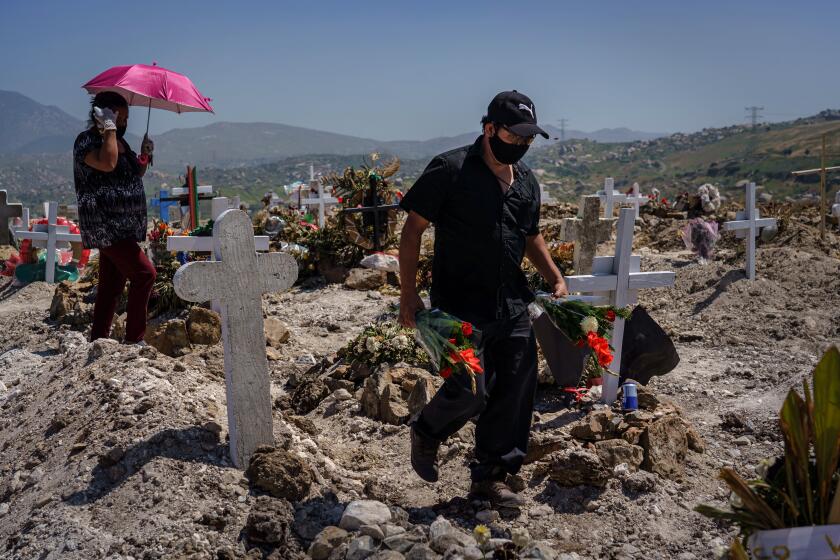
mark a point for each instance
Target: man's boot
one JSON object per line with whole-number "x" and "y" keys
{"x": 497, "y": 493}
{"x": 424, "y": 456}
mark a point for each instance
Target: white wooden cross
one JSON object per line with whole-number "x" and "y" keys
{"x": 50, "y": 236}
{"x": 587, "y": 230}
{"x": 184, "y": 191}
{"x": 237, "y": 281}
{"x": 545, "y": 196}
{"x": 636, "y": 199}
{"x": 748, "y": 224}
{"x": 322, "y": 201}
{"x": 619, "y": 278}
{"x": 610, "y": 196}
{"x": 7, "y": 211}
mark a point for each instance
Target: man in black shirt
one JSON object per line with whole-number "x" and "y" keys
{"x": 485, "y": 206}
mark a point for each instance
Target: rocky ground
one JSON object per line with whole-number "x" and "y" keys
{"x": 112, "y": 451}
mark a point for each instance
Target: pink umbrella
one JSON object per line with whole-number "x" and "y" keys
{"x": 151, "y": 86}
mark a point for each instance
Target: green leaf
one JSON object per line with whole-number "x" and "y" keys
{"x": 752, "y": 502}
{"x": 826, "y": 427}
{"x": 794, "y": 423}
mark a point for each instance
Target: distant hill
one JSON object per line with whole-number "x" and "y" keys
{"x": 27, "y": 126}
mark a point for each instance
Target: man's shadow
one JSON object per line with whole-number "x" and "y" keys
{"x": 193, "y": 444}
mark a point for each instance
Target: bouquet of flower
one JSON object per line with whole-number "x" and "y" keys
{"x": 160, "y": 231}
{"x": 585, "y": 324}
{"x": 381, "y": 343}
{"x": 452, "y": 344}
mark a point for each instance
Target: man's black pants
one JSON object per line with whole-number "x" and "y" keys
{"x": 503, "y": 402}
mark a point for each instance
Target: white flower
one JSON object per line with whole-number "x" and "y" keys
{"x": 401, "y": 342}
{"x": 589, "y": 324}
{"x": 372, "y": 345}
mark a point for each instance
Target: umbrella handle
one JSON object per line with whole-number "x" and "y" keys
{"x": 148, "y": 117}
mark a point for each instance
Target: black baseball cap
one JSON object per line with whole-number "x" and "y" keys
{"x": 517, "y": 112}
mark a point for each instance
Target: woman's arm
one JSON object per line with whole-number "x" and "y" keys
{"x": 105, "y": 158}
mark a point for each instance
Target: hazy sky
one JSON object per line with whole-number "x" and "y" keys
{"x": 413, "y": 70}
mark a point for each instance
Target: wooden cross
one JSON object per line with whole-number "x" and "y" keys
{"x": 619, "y": 278}
{"x": 748, "y": 224}
{"x": 322, "y": 201}
{"x": 163, "y": 203}
{"x": 545, "y": 196}
{"x": 49, "y": 237}
{"x": 822, "y": 170}
{"x": 203, "y": 244}
{"x": 375, "y": 209}
{"x": 587, "y": 230}
{"x": 610, "y": 196}
{"x": 236, "y": 282}
{"x": 636, "y": 199}
{"x": 7, "y": 211}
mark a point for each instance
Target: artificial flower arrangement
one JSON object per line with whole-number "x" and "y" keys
{"x": 584, "y": 324}
{"x": 452, "y": 344}
{"x": 384, "y": 342}
{"x": 160, "y": 231}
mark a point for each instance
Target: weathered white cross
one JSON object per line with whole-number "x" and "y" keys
{"x": 610, "y": 196}
{"x": 545, "y": 196}
{"x": 321, "y": 201}
{"x": 619, "y": 279}
{"x": 237, "y": 281}
{"x": 636, "y": 199}
{"x": 7, "y": 211}
{"x": 219, "y": 205}
{"x": 748, "y": 224}
{"x": 184, "y": 191}
{"x": 587, "y": 230}
{"x": 50, "y": 236}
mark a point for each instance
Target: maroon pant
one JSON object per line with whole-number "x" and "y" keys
{"x": 123, "y": 261}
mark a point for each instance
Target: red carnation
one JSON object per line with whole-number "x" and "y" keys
{"x": 446, "y": 372}
{"x": 467, "y": 328}
{"x": 610, "y": 315}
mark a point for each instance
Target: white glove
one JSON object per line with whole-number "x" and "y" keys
{"x": 105, "y": 119}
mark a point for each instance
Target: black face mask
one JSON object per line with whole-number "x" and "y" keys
{"x": 121, "y": 131}
{"x": 507, "y": 153}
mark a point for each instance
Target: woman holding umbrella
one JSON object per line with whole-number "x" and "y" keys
{"x": 108, "y": 178}
{"x": 109, "y": 184}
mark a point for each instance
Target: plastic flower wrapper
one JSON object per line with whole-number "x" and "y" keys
{"x": 700, "y": 237}
{"x": 452, "y": 344}
{"x": 585, "y": 324}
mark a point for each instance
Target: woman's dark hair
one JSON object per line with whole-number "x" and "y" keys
{"x": 110, "y": 99}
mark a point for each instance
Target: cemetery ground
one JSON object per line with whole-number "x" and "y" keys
{"x": 112, "y": 451}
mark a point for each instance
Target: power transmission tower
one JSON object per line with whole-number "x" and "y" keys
{"x": 754, "y": 114}
{"x": 563, "y": 123}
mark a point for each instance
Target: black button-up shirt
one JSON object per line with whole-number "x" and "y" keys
{"x": 480, "y": 234}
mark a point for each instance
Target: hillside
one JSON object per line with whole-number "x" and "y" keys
{"x": 27, "y": 126}
{"x": 766, "y": 155}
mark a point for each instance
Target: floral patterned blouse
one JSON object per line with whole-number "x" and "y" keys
{"x": 112, "y": 206}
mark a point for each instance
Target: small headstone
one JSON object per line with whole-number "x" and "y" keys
{"x": 587, "y": 230}
{"x": 7, "y": 211}
{"x": 236, "y": 282}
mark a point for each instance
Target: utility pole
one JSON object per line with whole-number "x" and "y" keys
{"x": 563, "y": 123}
{"x": 754, "y": 114}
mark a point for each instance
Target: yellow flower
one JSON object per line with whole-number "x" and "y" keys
{"x": 481, "y": 534}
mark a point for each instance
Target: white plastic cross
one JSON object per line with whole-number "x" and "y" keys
{"x": 322, "y": 201}
{"x": 636, "y": 199}
{"x": 220, "y": 204}
{"x": 7, "y": 211}
{"x": 610, "y": 197}
{"x": 236, "y": 282}
{"x": 748, "y": 224}
{"x": 51, "y": 236}
{"x": 619, "y": 279}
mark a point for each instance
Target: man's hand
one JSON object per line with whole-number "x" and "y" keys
{"x": 560, "y": 289}
{"x": 105, "y": 119}
{"x": 147, "y": 147}
{"x": 409, "y": 306}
